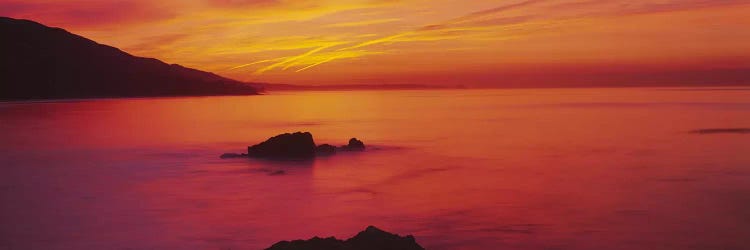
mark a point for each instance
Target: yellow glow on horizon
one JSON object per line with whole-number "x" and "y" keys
{"x": 322, "y": 41}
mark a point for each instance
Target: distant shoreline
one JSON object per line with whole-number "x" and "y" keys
{"x": 292, "y": 87}
{"x": 273, "y": 88}
{"x": 332, "y": 88}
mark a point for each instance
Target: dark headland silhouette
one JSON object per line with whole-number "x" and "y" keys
{"x": 298, "y": 145}
{"x": 40, "y": 62}
{"x": 370, "y": 239}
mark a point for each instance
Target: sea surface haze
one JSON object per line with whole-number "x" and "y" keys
{"x": 458, "y": 169}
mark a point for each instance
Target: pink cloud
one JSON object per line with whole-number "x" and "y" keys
{"x": 85, "y": 13}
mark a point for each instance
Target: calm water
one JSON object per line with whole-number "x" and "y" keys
{"x": 463, "y": 169}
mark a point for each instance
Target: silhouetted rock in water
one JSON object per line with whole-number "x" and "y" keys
{"x": 40, "y": 62}
{"x": 373, "y": 238}
{"x": 314, "y": 243}
{"x": 370, "y": 239}
{"x": 354, "y": 145}
{"x": 232, "y": 155}
{"x": 285, "y": 146}
{"x": 325, "y": 150}
{"x": 296, "y": 145}
{"x": 722, "y": 131}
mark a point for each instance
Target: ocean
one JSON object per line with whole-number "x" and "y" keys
{"x": 608, "y": 168}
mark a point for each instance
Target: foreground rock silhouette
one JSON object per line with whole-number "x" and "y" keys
{"x": 298, "y": 145}
{"x": 371, "y": 238}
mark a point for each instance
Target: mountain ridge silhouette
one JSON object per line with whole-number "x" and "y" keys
{"x": 41, "y": 62}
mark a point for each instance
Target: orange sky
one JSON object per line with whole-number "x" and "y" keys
{"x": 474, "y": 42}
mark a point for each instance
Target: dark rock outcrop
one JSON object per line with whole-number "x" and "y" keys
{"x": 354, "y": 145}
{"x": 297, "y": 145}
{"x": 371, "y": 238}
{"x": 325, "y": 150}
{"x": 374, "y": 238}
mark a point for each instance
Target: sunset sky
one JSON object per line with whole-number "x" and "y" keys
{"x": 419, "y": 41}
